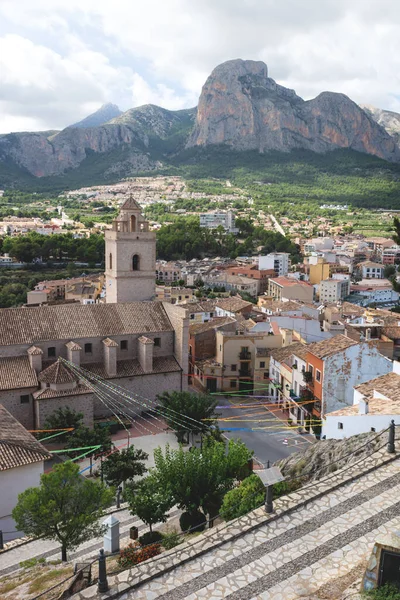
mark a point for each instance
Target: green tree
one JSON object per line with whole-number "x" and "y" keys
{"x": 65, "y": 508}
{"x": 123, "y": 465}
{"x": 149, "y": 501}
{"x": 64, "y": 418}
{"x": 84, "y": 436}
{"x": 389, "y": 271}
{"x": 250, "y": 494}
{"x": 200, "y": 478}
{"x": 396, "y": 227}
{"x": 187, "y": 412}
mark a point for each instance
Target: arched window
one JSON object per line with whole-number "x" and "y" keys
{"x": 133, "y": 223}
{"x": 135, "y": 262}
{"x": 110, "y": 260}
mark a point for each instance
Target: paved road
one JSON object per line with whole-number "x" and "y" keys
{"x": 274, "y": 442}
{"x": 276, "y": 224}
{"x": 295, "y": 555}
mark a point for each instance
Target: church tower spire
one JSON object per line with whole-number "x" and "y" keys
{"x": 130, "y": 256}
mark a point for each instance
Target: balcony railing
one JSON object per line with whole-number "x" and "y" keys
{"x": 245, "y": 355}
{"x": 244, "y": 373}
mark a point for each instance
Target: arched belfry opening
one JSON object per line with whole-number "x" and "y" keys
{"x": 136, "y": 262}
{"x": 110, "y": 260}
{"x": 133, "y": 223}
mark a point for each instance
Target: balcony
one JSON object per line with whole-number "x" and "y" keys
{"x": 245, "y": 355}
{"x": 244, "y": 373}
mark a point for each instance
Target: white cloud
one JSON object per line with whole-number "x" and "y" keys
{"x": 67, "y": 56}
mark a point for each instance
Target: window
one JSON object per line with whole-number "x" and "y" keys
{"x": 124, "y": 344}
{"x": 233, "y": 383}
{"x": 110, "y": 261}
{"x": 211, "y": 315}
{"x": 135, "y": 262}
{"x": 88, "y": 348}
{"x": 51, "y": 352}
{"x": 233, "y": 367}
{"x": 266, "y": 374}
{"x": 340, "y": 425}
{"x": 192, "y": 317}
{"x": 373, "y": 429}
{"x": 24, "y": 399}
{"x": 311, "y": 369}
{"x": 157, "y": 342}
{"x": 262, "y": 364}
{"x": 318, "y": 375}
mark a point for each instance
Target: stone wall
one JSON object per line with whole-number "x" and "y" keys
{"x": 180, "y": 323}
{"x": 11, "y": 400}
{"x": 82, "y": 403}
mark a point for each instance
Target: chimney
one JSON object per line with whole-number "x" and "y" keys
{"x": 110, "y": 357}
{"x": 74, "y": 353}
{"x": 146, "y": 353}
{"x": 363, "y": 407}
{"x": 35, "y": 358}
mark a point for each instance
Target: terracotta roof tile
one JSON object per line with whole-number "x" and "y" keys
{"x": 34, "y": 351}
{"x": 31, "y": 325}
{"x": 283, "y": 354}
{"x": 16, "y": 372}
{"x": 57, "y": 373}
{"x": 18, "y": 447}
{"x": 233, "y": 304}
{"x": 73, "y": 346}
{"x": 49, "y": 393}
{"x": 338, "y": 343}
{"x": 214, "y": 324}
{"x": 110, "y": 343}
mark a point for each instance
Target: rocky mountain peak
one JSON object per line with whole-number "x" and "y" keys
{"x": 101, "y": 116}
{"x": 241, "y": 106}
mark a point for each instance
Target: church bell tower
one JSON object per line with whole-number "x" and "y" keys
{"x": 130, "y": 256}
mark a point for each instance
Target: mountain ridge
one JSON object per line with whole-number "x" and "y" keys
{"x": 103, "y": 115}
{"x": 240, "y": 107}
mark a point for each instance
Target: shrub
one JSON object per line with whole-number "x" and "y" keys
{"x": 171, "y": 539}
{"x": 246, "y": 497}
{"x": 133, "y": 554}
{"x": 192, "y": 521}
{"x": 150, "y": 538}
{"x": 386, "y": 592}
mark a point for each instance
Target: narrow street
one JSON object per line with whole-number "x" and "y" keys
{"x": 277, "y": 226}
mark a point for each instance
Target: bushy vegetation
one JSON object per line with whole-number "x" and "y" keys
{"x": 33, "y": 246}
{"x": 185, "y": 239}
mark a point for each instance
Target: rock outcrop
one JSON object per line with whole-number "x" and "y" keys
{"x": 43, "y": 155}
{"x": 100, "y": 117}
{"x": 388, "y": 119}
{"x": 244, "y": 108}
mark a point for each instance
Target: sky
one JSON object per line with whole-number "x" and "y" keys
{"x": 60, "y": 60}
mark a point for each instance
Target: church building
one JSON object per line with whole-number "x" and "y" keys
{"x": 131, "y": 340}
{"x": 130, "y": 257}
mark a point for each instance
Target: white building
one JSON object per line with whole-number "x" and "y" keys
{"x": 333, "y": 290}
{"x": 225, "y": 219}
{"x": 377, "y": 291}
{"x": 371, "y": 270}
{"x": 375, "y": 404}
{"x": 21, "y": 465}
{"x": 278, "y": 261}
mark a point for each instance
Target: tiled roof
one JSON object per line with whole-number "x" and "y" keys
{"x": 130, "y": 204}
{"x": 73, "y": 346}
{"x": 233, "y": 304}
{"x": 49, "y": 393}
{"x": 17, "y": 446}
{"x": 301, "y": 352}
{"x": 280, "y": 306}
{"x": 283, "y": 354}
{"x": 338, "y": 343}
{"x": 199, "y": 307}
{"x": 289, "y": 282}
{"x": 16, "y": 372}
{"x": 391, "y": 332}
{"x": 214, "y": 324}
{"x": 145, "y": 340}
{"x": 388, "y": 385}
{"x": 110, "y": 343}
{"x": 34, "y": 351}
{"x": 57, "y": 373}
{"x": 30, "y": 325}
{"x": 131, "y": 368}
{"x": 373, "y": 265}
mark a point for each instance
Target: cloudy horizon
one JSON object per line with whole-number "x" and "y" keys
{"x": 60, "y": 61}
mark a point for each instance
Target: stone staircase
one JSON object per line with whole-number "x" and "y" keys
{"x": 315, "y": 537}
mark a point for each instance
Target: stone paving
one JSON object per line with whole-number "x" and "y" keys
{"x": 317, "y": 534}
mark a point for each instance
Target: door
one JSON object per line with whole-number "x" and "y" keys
{"x": 211, "y": 385}
{"x": 389, "y": 571}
